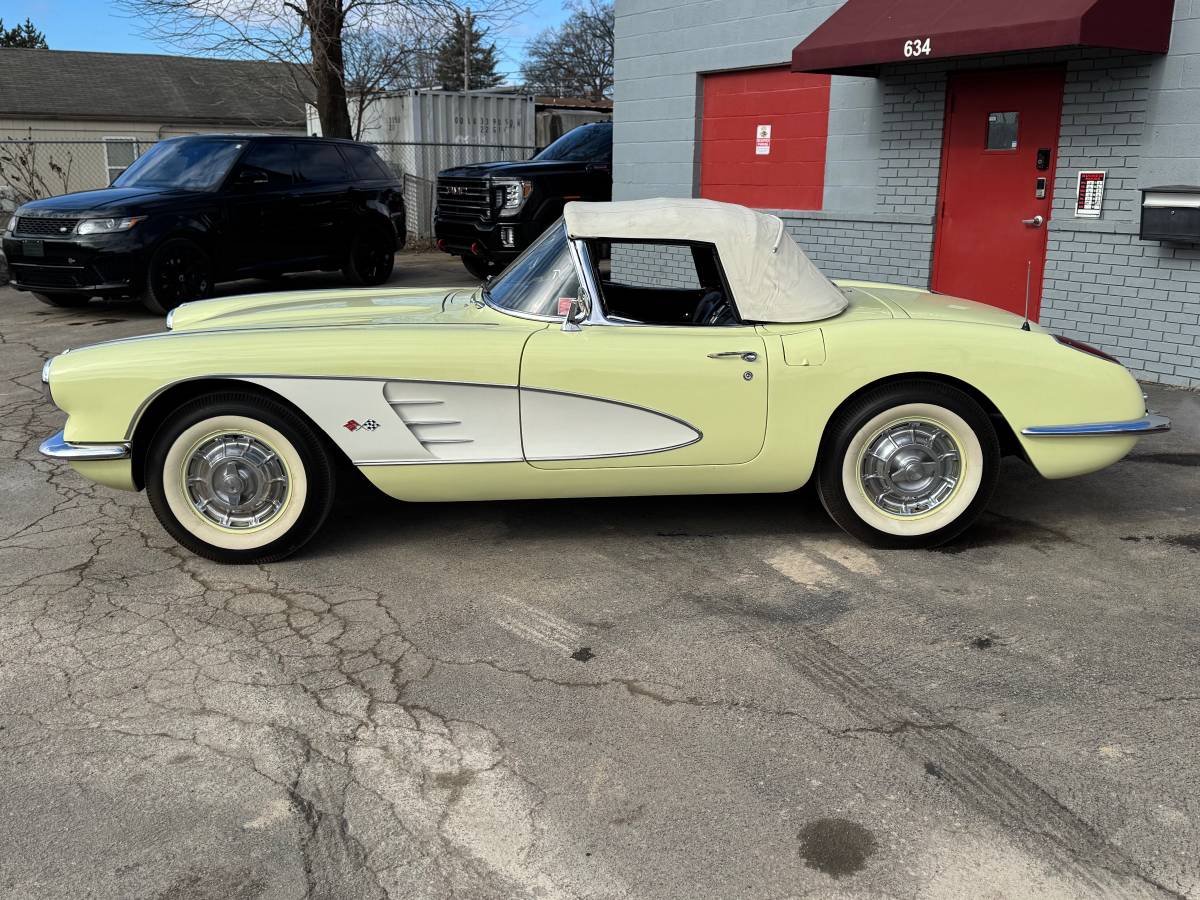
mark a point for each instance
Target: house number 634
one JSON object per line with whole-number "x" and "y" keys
{"x": 918, "y": 47}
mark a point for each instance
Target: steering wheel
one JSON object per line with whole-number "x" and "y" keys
{"x": 713, "y": 309}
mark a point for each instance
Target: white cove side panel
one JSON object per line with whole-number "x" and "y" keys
{"x": 567, "y": 426}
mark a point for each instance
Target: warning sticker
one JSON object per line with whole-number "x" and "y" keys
{"x": 762, "y": 140}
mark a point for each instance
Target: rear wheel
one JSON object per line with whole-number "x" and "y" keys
{"x": 372, "y": 257}
{"x": 239, "y": 478}
{"x": 64, "y": 300}
{"x": 910, "y": 465}
{"x": 179, "y": 272}
{"x": 479, "y": 267}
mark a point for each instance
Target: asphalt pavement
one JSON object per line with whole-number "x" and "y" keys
{"x": 701, "y": 697}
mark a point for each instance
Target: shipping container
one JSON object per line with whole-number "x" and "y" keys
{"x": 421, "y": 132}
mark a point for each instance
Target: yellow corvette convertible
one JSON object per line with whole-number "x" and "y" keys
{"x": 637, "y": 348}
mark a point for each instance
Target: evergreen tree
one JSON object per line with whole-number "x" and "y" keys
{"x": 482, "y": 55}
{"x": 26, "y": 36}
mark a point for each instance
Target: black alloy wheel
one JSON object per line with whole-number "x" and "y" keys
{"x": 371, "y": 259}
{"x": 179, "y": 272}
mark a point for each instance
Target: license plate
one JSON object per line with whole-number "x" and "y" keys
{"x": 34, "y": 248}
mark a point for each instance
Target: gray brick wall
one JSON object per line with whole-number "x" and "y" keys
{"x": 895, "y": 249}
{"x": 654, "y": 265}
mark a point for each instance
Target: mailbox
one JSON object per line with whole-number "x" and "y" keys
{"x": 1171, "y": 213}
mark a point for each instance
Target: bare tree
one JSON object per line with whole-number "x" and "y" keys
{"x": 24, "y": 176}
{"x": 576, "y": 58}
{"x": 327, "y": 41}
{"x": 383, "y": 60}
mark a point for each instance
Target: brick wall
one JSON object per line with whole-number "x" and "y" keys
{"x": 654, "y": 265}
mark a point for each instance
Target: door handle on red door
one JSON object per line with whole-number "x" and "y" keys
{"x": 1035, "y": 222}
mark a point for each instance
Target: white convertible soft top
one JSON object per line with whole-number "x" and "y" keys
{"x": 771, "y": 278}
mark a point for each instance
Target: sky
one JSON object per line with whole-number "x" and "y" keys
{"x": 101, "y": 25}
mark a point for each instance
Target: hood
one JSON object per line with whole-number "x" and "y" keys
{"x": 918, "y": 304}
{"x": 516, "y": 168}
{"x": 308, "y": 309}
{"x": 106, "y": 200}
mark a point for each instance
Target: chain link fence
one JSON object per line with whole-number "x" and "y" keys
{"x": 419, "y": 163}
{"x": 34, "y": 169}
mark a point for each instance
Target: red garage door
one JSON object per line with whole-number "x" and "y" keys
{"x": 785, "y": 170}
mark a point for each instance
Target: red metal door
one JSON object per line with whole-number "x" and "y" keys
{"x": 998, "y": 156}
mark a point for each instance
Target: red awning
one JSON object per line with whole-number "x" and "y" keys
{"x": 865, "y": 34}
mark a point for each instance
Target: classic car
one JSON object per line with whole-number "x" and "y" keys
{"x": 637, "y": 348}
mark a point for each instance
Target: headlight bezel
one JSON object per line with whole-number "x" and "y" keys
{"x": 516, "y": 194}
{"x": 46, "y": 379}
{"x": 111, "y": 225}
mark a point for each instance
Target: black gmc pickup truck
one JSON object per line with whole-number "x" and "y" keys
{"x": 487, "y": 213}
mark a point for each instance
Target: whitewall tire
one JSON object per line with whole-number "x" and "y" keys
{"x": 910, "y": 465}
{"x": 239, "y": 478}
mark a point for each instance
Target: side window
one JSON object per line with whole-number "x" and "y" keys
{"x": 266, "y": 164}
{"x": 659, "y": 283}
{"x": 364, "y": 164}
{"x": 321, "y": 164}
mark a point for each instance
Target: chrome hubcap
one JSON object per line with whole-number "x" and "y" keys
{"x": 910, "y": 467}
{"x": 236, "y": 481}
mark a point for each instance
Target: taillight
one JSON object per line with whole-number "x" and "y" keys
{"x": 1085, "y": 348}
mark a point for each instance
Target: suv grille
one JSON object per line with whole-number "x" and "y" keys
{"x": 42, "y": 226}
{"x": 463, "y": 197}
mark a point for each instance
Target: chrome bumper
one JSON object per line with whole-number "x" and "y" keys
{"x": 56, "y": 447}
{"x": 1151, "y": 423}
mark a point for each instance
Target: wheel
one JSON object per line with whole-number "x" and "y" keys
{"x": 64, "y": 300}
{"x": 179, "y": 271}
{"x": 239, "y": 478}
{"x": 910, "y": 465}
{"x": 478, "y": 267}
{"x": 371, "y": 258}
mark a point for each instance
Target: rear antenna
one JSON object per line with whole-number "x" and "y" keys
{"x": 1028, "y": 279}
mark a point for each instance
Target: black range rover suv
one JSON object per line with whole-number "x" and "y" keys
{"x": 196, "y": 210}
{"x": 487, "y": 213}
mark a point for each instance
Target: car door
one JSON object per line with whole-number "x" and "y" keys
{"x": 642, "y": 384}
{"x": 628, "y": 395}
{"x": 324, "y": 200}
{"x": 261, "y": 227}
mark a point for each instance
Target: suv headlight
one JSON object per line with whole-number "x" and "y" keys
{"x": 510, "y": 194}
{"x": 12, "y": 223}
{"x": 107, "y": 226}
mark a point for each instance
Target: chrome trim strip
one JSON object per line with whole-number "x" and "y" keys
{"x": 1151, "y": 423}
{"x": 57, "y": 447}
{"x": 433, "y": 462}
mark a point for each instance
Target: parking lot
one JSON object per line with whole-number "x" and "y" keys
{"x": 702, "y": 697}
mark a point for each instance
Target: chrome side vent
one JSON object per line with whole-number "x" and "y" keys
{"x": 425, "y": 427}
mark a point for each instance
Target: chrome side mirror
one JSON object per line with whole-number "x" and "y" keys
{"x": 576, "y": 313}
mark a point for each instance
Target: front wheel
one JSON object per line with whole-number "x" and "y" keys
{"x": 910, "y": 465}
{"x": 479, "y": 267}
{"x": 371, "y": 259}
{"x": 239, "y": 478}
{"x": 179, "y": 272}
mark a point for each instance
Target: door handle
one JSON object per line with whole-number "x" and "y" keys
{"x": 744, "y": 355}
{"x": 1035, "y": 222}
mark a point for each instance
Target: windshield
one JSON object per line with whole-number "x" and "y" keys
{"x": 587, "y": 143}
{"x": 196, "y": 165}
{"x": 541, "y": 281}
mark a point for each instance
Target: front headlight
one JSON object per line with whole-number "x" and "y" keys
{"x": 12, "y": 223}
{"x": 510, "y": 194}
{"x": 46, "y": 379}
{"x": 107, "y": 226}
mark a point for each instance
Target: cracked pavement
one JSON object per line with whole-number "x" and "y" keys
{"x": 764, "y": 708}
